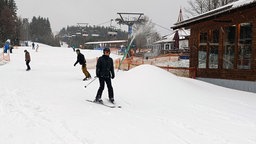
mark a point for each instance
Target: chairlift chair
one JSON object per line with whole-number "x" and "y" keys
{"x": 112, "y": 33}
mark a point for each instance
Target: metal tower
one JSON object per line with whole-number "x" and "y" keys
{"x": 130, "y": 20}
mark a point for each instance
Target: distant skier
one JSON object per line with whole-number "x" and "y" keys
{"x": 33, "y": 45}
{"x": 37, "y": 47}
{"x": 105, "y": 71}
{"x": 7, "y": 46}
{"x": 81, "y": 60}
{"x": 11, "y": 48}
{"x": 74, "y": 49}
{"x": 27, "y": 59}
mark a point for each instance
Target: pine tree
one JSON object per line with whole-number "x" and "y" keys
{"x": 8, "y": 20}
{"x": 40, "y": 31}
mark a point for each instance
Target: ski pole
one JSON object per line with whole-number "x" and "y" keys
{"x": 91, "y": 82}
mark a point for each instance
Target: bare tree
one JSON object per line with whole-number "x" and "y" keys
{"x": 215, "y": 4}
{"x": 197, "y": 7}
{"x": 224, "y": 2}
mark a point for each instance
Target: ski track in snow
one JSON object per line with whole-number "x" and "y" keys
{"x": 28, "y": 115}
{"x": 177, "y": 129}
{"x": 3, "y": 62}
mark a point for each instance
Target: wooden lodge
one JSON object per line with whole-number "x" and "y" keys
{"x": 223, "y": 42}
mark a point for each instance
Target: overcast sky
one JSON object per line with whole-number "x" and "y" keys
{"x": 63, "y": 13}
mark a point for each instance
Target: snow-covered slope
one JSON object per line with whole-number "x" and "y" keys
{"x": 47, "y": 105}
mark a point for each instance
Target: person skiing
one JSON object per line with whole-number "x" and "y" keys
{"x": 33, "y": 45}
{"x": 81, "y": 60}
{"x": 7, "y": 46}
{"x": 37, "y": 46}
{"x": 105, "y": 72}
{"x": 27, "y": 59}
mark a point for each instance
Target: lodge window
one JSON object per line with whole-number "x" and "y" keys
{"x": 229, "y": 47}
{"x": 202, "y": 53}
{"x": 213, "y": 52}
{"x": 245, "y": 46}
{"x": 167, "y": 46}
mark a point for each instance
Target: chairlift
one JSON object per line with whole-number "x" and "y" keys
{"x": 85, "y": 34}
{"x": 78, "y": 32}
{"x": 113, "y": 31}
{"x": 95, "y": 34}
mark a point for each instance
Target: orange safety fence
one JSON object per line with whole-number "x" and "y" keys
{"x": 91, "y": 63}
{"x": 132, "y": 62}
{"x": 5, "y": 56}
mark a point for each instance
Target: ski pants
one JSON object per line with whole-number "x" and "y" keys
{"x": 27, "y": 63}
{"x": 5, "y": 50}
{"x": 101, "y": 88}
{"x": 85, "y": 71}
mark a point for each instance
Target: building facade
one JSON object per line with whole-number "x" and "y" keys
{"x": 223, "y": 42}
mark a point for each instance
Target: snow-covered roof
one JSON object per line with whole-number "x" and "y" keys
{"x": 106, "y": 42}
{"x": 220, "y": 10}
{"x": 164, "y": 41}
{"x": 169, "y": 38}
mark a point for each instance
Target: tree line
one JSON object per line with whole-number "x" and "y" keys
{"x": 9, "y": 28}
{"x": 38, "y": 30}
{"x": 20, "y": 29}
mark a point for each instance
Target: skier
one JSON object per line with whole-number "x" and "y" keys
{"x": 27, "y": 59}
{"x": 81, "y": 60}
{"x": 74, "y": 49}
{"x": 11, "y": 48}
{"x": 33, "y": 45}
{"x": 6, "y": 46}
{"x": 105, "y": 71}
{"x": 37, "y": 46}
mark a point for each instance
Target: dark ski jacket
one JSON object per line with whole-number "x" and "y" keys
{"x": 80, "y": 59}
{"x": 105, "y": 67}
{"x": 27, "y": 56}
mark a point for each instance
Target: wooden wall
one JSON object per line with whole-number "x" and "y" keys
{"x": 220, "y": 22}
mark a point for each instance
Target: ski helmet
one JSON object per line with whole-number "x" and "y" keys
{"x": 106, "y": 50}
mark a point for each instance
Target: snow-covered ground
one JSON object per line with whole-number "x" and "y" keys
{"x": 47, "y": 105}
{"x": 180, "y": 63}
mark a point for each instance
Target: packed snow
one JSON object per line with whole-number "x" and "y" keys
{"x": 47, "y": 105}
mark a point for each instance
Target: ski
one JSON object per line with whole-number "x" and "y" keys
{"x": 118, "y": 106}
{"x": 106, "y": 105}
